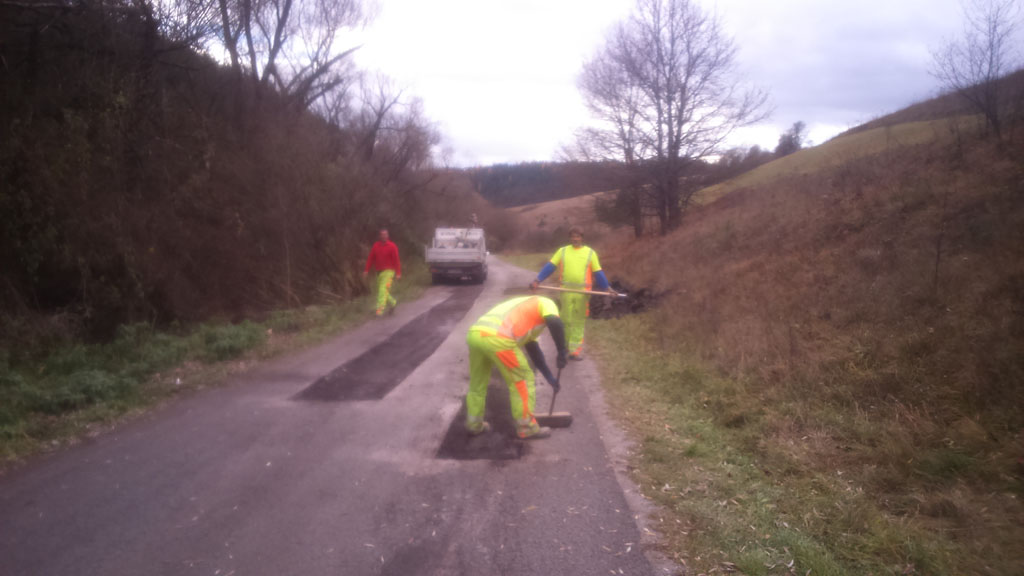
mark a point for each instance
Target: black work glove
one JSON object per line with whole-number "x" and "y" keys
{"x": 555, "y": 384}
{"x": 562, "y": 361}
{"x": 533, "y": 286}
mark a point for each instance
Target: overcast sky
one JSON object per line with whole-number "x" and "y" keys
{"x": 499, "y": 76}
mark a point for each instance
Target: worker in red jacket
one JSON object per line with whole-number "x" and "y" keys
{"x": 384, "y": 259}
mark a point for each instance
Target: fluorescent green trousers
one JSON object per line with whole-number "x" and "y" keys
{"x": 574, "y": 311}
{"x": 384, "y": 298}
{"x": 486, "y": 350}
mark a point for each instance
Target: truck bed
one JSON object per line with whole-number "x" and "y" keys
{"x": 455, "y": 255}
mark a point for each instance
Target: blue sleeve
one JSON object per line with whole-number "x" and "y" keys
{"x": 546, "y": 271}
{"x": 602, "y": 280}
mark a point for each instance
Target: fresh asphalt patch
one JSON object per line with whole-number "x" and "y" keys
{"x": 376, "y": 372}
{"x": 501, "y": 443}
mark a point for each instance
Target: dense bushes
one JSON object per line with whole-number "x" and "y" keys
{"x": 142, "y": 182}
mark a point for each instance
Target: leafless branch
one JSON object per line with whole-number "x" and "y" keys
{"x": 664, "y": 94}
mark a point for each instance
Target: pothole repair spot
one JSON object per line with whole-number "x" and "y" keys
{"x": 501, "y": 443}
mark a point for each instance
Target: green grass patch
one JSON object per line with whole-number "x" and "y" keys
{"x": 529, "y": 260}
{"x": 750, "y": 478}
{"x": 219, "y": 342}
{"x": 55, "y": 396}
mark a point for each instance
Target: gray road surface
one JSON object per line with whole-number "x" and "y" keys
{"x": 326, "y": 462}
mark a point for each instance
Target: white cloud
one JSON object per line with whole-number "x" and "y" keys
{"x": 500, "y": 77}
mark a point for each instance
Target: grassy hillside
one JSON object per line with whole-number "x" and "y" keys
{"x": 834, "y": 379}
{"x": 947, "y": 106}
{"x": 845, "y": 149}
{"x": 545, "y": 225}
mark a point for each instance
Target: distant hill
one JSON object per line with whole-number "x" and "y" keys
{"x": 532, "y": 182}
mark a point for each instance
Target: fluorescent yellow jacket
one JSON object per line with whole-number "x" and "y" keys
{"x": 576, "y": 266}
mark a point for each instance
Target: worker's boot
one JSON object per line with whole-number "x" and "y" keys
{"x": 483, "y": 428}
{"x": 533, "y": 431}
{"x": 541, "y": 432}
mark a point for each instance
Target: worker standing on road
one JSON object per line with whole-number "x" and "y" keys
{"x": 577, "y": 267}
{"x": 384, "y": 258}
{"x": 498, "y": 338}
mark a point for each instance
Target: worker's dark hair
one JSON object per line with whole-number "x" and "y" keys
{"x": 575, "y": 230}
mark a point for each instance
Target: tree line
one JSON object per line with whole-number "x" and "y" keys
{"x": 531, "y": 182}
{"x": 522, "y": 183}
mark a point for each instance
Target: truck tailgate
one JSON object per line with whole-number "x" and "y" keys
{"x": 454, "y": 256}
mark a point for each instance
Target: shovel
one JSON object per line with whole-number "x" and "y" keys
{"x": 589, "y": 292}
{"x": 555, "y": 419}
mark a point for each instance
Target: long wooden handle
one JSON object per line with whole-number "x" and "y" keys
{"x": 554, "y": 394}
{"x": 575, "y": 291}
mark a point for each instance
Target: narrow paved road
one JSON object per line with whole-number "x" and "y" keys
{"x": 343, "y": 459}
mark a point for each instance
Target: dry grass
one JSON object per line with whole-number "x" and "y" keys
{"x": 545, "y": 226}
{"x": 806, "y": 332}
{"x": 842, "y": 150}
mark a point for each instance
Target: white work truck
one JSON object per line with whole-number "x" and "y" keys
{"x": 457, "y": 253}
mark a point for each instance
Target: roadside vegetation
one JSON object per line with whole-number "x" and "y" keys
{"x": 832, "y": 382}
{"x": 834, "y": 376}
{"x": 141, "y": 181}
{"x": 782, "y": 480}
{"x": 528, "y": 260}
{"x": 57, "y": 394}
{"x": 159, "y": 209}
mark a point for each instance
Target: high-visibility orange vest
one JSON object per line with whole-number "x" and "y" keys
{"x": 519, "y": 319}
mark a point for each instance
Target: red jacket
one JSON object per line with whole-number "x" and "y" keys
{"x": 384, "y": 256}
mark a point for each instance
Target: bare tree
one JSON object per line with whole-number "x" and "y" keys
{"x": 615, "y": 99}
{"x": 185, "y": 22}
{"x": 379, "y": 96}
{"x": 664, "y": 93}
{"x": 973, "y": 64}
{"x": 292, "y": 46}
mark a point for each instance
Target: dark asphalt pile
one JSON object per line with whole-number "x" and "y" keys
{"x": 501, "y": 443}
{"x": 636, "y": 301}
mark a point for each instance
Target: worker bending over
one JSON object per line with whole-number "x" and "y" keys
{"x": 384, "y": 258}
{"x": 498, "y": 338}
{"x": 578, "y": 268}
